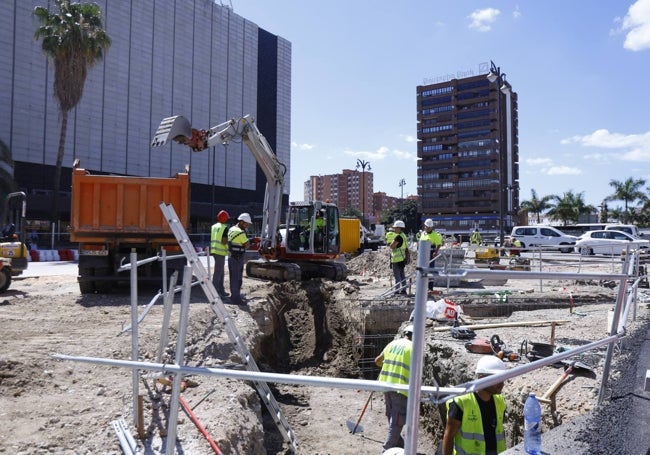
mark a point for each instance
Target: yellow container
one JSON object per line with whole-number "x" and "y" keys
{"x": 350, "y": 229}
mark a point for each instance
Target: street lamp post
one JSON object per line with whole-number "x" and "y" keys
{"x": 495, "y": 75}
{"x": 363, "y": 165}
{"x": 401, "y": 201}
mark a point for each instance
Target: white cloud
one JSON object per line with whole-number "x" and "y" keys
{"x": 382, "y": 153}
{"x": 482, "y": 19}
{"x": 562, "y": 170}
{"x": 378, "y": 154}
{"x": 634, "y": 147}
{"x": 302, "y": 146}
{"x": 637, "y": 25}
{"x": 408, "y": 138}
{"x": 598, "y": 157}
{"x": 539, "y": 161}
{"x": 546, "y": 166}
{"x": 516, "y": 14}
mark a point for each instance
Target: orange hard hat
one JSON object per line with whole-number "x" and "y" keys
{"x": 223, "y": 216}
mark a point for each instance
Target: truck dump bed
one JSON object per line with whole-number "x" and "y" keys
{"x": 120, "y": 206}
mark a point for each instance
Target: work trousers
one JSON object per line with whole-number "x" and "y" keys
{"x": 219, "y": 272}
{"x": 396, "y": 413}
{"x": 400, "y": 277}
{"x": 236, "y": 272}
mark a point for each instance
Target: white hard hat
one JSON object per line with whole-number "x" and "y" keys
{"x": 489, "y": 364}
{"x": 408, "y": 329}
{"x": 394, "y": 451}
{"x": 399, "y": 224}
{"x": 245, "y": 217}
{"x": 428, "y": 222}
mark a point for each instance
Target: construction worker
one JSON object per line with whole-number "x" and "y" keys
{"x": 475, "y": 420}
{"x": 395, "y": 364}
{"x": 219, "y": 251}
{"x": 237, "y": 244}
{"x": 390, "y": 235}
{"x": 516, "y": 250}
{"x": 475, "y": 238}
{"x": 430, "y": 234}
{"x": 319, "y": 233}
{"x": 398, "y": 256}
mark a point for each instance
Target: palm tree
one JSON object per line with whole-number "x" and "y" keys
{"x": 74, "y": 38}
{"x": 569, "y": 207}
{"x": 536, "y": 205}
{"x": 627, "y": 191}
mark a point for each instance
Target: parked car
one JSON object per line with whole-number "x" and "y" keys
{"x": 609, "y": 242}
{"x": 542, "y": 236}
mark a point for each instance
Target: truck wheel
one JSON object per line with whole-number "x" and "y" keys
{"x": 86, "y": 287}
{"x": 5, "y": 279}
{"x": 103, "y": 286}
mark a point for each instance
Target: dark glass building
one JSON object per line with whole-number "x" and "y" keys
{"x": 198, "y": 59}
{"x": 468, "y": 154}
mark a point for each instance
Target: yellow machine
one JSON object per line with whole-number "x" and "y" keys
{"x": 13, "y": 251}
{"x": 486, "y": 255}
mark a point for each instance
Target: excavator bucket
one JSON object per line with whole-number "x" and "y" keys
{"x": 170, "y": 128}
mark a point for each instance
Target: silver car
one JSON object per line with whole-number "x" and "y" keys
{"x": 608, "y": 242}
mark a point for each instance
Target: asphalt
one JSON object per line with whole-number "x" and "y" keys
{"x": 621, "y": 424}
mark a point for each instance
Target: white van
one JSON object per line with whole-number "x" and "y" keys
{"x": 628, "y": 228}
{"x": 530, "y": 236}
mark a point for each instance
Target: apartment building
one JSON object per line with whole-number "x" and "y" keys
{"x": 468, "y": 154}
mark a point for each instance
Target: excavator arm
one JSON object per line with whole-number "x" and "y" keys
{"x": 179, "y": 130}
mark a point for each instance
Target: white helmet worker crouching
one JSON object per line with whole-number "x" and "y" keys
{"x": 489, "y": 364}
{"x": 428, "y": 222}
{"x": 399, "y": 224}
{"x": 245, "y": 217}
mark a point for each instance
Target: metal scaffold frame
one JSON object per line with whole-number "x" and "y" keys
{"x": 625, "y": 302}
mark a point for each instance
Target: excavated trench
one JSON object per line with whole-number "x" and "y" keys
{"x": 322, "y": 328}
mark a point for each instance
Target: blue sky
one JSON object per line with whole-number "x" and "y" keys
{"x": 581, "y": 70}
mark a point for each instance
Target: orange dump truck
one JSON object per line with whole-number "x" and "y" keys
{"x": 111, "y": 215}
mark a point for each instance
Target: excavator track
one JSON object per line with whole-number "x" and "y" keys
{"x": 282, "y": 271}
{"x": 273, "y": 270}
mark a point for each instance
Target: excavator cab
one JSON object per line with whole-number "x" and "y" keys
{"x": 313, "y": 229}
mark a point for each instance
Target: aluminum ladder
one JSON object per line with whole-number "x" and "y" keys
{"x": 222, "y": 313}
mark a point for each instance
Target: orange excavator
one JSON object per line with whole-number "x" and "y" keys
{"x": 307, "y": 245}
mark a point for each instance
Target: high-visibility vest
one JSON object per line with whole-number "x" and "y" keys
{"x": 470, "y": 439}
{"x": 390, "y": 236}
{"x": 237, "y": 240}
{"x": 434, "y": 237}
{"x": 399, "y": 254}
{"x": 216, "y": 235}
{"x": 397, "y": 362}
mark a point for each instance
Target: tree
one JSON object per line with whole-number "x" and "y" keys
{"x": 536, "y": 205}
{"x": 569, "y": 207}
{"x": 74, "y": 38}
{"x": 408, "y": 213}
{"x": 627, "y": 191}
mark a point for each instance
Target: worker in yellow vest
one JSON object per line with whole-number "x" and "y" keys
{"x": 219, "y": 251}
{"x": 395, "y": 364}
{"x": 237, "y": 245}
{"x": 398, "y": 249}
{"x": 475, "y": 420}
